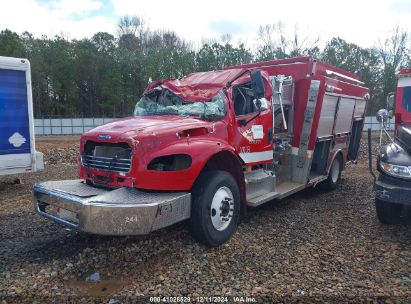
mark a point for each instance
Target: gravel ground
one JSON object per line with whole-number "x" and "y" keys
{"x": 59, "y": 149}
{"x": 311, "y": 247}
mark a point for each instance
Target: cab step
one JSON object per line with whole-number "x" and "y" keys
{"x": 257, "y": 201}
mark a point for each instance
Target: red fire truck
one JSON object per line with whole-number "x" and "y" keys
{"x": 205, "y": 146}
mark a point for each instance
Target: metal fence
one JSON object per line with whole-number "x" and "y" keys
{"x": 372, "y": 123}
{"x": 77, "y": 126}
{"x": 67, "y": 126}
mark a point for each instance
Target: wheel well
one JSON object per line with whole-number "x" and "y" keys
{"x": 227, "y": 161}
{"x": 337, "y": 154}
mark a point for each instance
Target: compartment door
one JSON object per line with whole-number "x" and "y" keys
{"x": 355, "y": 139}
{"x": 344, "y": 118}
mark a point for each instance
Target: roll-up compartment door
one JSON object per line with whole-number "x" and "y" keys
{"x": 343, "y": 120}
{"x": 327, "y": 116}
{"x": 359, "y": 108}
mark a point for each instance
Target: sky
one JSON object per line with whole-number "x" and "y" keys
{"x": 359, "y": 21}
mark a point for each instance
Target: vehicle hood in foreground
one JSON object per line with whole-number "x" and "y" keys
{"x": 147, "y": 125}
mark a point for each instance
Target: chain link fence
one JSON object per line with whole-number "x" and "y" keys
{"x": 77, "y": 126}
{"x": 67, "y": 126}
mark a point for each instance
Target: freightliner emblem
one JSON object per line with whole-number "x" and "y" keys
{"x": 104, "y": 136}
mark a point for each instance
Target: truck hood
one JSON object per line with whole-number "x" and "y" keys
{"x": 131, "y": 126}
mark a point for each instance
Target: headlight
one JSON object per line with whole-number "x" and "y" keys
{"x": 395, "y": 170}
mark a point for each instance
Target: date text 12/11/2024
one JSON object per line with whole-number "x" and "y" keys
{"x": 203, "y": 299}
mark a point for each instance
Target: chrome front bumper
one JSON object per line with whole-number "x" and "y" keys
{"x": 122, "y": 211}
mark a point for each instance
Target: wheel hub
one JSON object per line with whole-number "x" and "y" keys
{"x": 222, "y": 208}
{"x": 225, "y": 207}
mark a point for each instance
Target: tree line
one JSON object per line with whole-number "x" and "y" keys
{"x": 104, "y": 76}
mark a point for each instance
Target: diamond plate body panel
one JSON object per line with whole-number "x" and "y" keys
{"x": 78, "y": 188}
{"x": 258, "y": 182}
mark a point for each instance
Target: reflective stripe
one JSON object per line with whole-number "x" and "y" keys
{"x": 254, "y": 157}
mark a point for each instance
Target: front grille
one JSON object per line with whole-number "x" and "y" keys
{"x": 106, "y": 163}
{"x": 113, "y": 157}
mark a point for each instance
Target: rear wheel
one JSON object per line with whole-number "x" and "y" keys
{"x": 215, "y": 209}
{"x": 334, "y": 175}
{"x": 388, "y": 213}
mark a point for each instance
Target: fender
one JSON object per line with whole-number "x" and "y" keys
{"x": 229, "y": 161}
{"x": 200, "y": 151}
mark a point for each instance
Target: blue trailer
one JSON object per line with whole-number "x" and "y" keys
{"x": 17, "y": 144}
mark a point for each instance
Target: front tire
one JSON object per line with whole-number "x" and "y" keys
{"x": 388, "y": 213}
{"x": 215, "y": 210}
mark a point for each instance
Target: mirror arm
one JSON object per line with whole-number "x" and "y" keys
{"x": 386, "y": 132}
{"x": 384, "y": 128}
{"x": 244, "y": 122}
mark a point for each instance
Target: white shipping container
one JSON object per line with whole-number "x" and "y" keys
{"x": 17, "y": 144}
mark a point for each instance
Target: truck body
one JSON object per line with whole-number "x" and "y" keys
{"x": 205, "y": 146}
{"x": 393, "y": 184}
{"x": 17, "y": 143}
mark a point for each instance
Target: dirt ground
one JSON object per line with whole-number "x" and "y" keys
{"x": 312, "y": 247}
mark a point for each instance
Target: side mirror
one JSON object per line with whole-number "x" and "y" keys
{"x": 257, "y": 85}
{"x": 260, "y": 104}
{"x": 382, "y": 116}
{"x": 390, "y": 100}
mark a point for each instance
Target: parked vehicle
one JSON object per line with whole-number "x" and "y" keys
{"x": 393, "y": 184}
{"x": 17, "y": 145}
{"x": 205, "y": 146}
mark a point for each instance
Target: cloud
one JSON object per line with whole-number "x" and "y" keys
{"x": 361, "y": 22}
{"x": 69, "y": 7}
{"x": 73, "y": 18}
{"x": 401, "y": 6}
{"x": 223, "y": 27}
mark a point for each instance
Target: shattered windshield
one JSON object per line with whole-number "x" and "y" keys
{"x": 162, "y": 101}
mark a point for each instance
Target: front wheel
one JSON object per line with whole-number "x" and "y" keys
{"x": 388, "y": 213}
{"x": 215, "y": 209}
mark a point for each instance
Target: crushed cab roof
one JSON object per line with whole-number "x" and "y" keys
{"x": 198, "y": 86}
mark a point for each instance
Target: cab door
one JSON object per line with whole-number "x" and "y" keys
{"x": 253, "y": 129}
